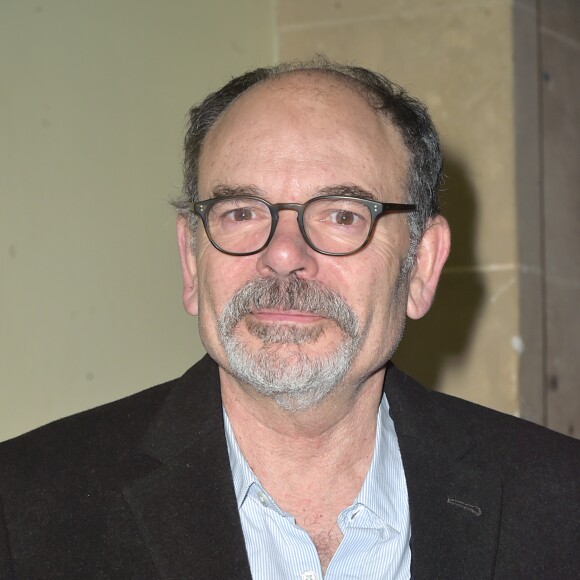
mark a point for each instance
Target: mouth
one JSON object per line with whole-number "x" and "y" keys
{"x": 275, "y": 326}
{"x": 286, "y": 316}
{"x": 276, "y": 310}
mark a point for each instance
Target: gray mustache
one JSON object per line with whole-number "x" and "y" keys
{"x": 293, "y": 294}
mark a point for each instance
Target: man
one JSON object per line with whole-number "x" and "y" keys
{"x": 308, "y": 230}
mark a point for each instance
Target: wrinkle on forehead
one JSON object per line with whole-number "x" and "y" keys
{"x": 319, "y": 84}
{"x": 297, "y": 108}
{"x": 312, "y": 89}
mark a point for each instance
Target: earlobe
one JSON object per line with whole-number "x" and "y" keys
{"x": 188, "y": 267}
{"x": 431, "y": 256}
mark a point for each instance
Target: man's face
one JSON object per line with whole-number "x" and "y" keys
{"x": 290, "y": 139}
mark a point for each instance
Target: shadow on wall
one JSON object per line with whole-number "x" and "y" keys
{"x": 443, "y": 336}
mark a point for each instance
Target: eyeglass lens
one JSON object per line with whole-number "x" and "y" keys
{"x": 242, "y": 225}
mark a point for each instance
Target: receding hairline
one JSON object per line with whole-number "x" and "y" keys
{"x": 390, "y": 132}
{"x": 343, "y": 81}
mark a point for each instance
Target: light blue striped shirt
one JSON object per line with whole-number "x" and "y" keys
{"x": 376, "y": 528}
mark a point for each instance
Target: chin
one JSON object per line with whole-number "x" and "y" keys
{"x": 296, "y": 374}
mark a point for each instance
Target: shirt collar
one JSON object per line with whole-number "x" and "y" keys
{"x": 242, "y": 474}
{"x": 384, "y": 490}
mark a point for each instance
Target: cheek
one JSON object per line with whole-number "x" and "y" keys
{"x": 214, "y": 290}
{"x": 372, "y": 293}
{"x": 211, "y": 287}
{"x": 220, "y": 276}
{"x": 373, "y": 274}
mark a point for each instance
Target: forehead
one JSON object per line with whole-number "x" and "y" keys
{"x": 303, "y": 125}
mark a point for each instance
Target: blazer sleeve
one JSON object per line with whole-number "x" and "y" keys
{"x": 6, "y": 568}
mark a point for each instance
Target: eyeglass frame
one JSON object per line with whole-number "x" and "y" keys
{"x": 376, "y": 209}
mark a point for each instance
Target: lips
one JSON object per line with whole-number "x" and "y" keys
{"x": 289, "y": 316}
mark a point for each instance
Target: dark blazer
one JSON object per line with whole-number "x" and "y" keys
{"x": 141, "y": 488}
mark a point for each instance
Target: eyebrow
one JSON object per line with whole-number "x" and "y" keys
{"x": 343, "y": 189}
{"x": 223, "y": 190}
{"x": 347, "y": 190}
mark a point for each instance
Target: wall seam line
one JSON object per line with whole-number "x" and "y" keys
{"x": 542, "y": 204}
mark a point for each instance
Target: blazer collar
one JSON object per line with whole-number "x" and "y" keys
{"x": 454, "y": 497}
{"x": 186, "y": 507}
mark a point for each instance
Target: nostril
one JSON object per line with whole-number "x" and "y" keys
{"x": 287, "y": 253}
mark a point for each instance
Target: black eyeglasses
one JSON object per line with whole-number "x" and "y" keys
{"x": 333, "y": 225}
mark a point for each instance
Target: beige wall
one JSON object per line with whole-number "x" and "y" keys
{"x": 501, "y": 79}
{"x": 457, "y": 57}
{"x": 93, "y": 103}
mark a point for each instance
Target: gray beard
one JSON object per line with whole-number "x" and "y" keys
{"x": 277, "y": 369}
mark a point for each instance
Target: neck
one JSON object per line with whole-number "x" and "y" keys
{"x": 295, "y": 455}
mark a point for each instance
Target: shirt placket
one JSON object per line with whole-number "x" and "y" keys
{"x": 300, "y": 550}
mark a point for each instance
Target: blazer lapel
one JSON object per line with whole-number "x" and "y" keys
{"x": 186, "y": 508}
{"x": 454, "y": 498}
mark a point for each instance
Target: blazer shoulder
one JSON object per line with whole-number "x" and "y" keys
{"x": 89, "y": 440}
{"x": 102, "y": 438}
{"x": 515, "y": 433}
{"x": 509, "y": 442}
{"x": 66, "y": 488}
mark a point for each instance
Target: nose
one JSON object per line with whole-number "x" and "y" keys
{"x": 288, "y": 253}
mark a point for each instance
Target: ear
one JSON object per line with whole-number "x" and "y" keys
{"x": 431, "y": 256}
{"x": 188, "y": 266}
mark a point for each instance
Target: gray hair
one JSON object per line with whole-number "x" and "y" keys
{"x": 406, "y": 113}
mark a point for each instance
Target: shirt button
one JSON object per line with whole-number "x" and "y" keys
{"x": 263, "y": 499}
{"x": 310, "y": 575}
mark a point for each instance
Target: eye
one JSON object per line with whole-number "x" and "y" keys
{"x": 344, "y": 218}
{"x": 338, "y": 214}
{"x": 240, "y": 214}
